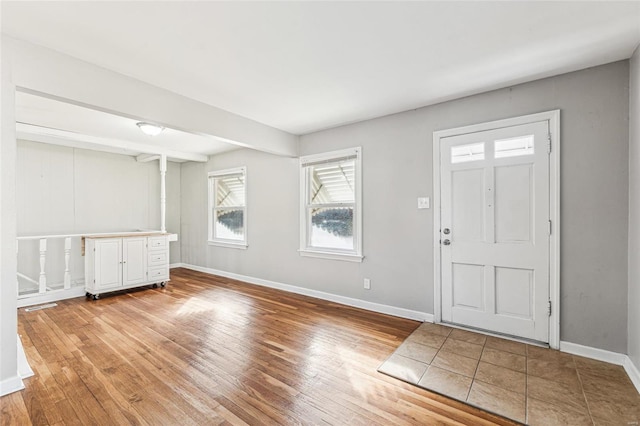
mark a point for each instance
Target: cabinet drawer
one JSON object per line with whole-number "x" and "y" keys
{"x": 159, "y": 258}
{"x": 157, "y": 243}
{"x": 159, "y": 274}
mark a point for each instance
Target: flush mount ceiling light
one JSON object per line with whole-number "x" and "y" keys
{"x": 150, "y": 129}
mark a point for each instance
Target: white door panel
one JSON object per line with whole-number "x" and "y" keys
{"x": 494, "y": 220}
{"x": 134, "y": 260}
{"x": 108, "y": 271}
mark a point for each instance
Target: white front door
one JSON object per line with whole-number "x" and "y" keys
{"x": 495, "y": 230}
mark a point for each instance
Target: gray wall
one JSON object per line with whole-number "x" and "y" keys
{"x": 397, "y": 169}
{"x": 634, "y": 210}
{"x": 63, "y": 190}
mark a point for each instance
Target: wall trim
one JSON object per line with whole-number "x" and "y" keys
{"x": 606, "y": 356}
{"x": 349, "y": 301}
{"x": 24, "y": 369}
{"x": 10, "y": 385}
{"x": 633, "y": 372}
{"x": 52, "y": 296}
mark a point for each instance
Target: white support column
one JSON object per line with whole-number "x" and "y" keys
{"x": 67, "y": 257}
{"x": 17, "y": 280}
{"x": 163, "y": 192}
{"x": 43, "y": 259}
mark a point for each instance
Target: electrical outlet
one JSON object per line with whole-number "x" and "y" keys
{"x": 367, "y": 284}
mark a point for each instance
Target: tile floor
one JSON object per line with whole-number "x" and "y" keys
{"x": 529, "y": 384}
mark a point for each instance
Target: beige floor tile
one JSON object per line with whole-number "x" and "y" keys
{"x": 403, "y": 368}
{"x": 569, "y": 396}
{"x": 417, "y": 351}
{"x": 504, "y": 359}
{"x": 555, "y": 370}
{"x": 470, "y": 350}
{"x": 506, "y": 345}
{"x": 428, "y": 339}
{"x": 442, "y": 330}
{"x": 536, "y": 352}
{"x": 619, "y": 388}
{"x": 599, "y": 368}
{"x": 498, "y": 400}
{"x": 447, "y": 383}
{"x": 612, "y": 409}
{"x": 455, "y": 363}
{"x": 541, "y": 413}
{"x": 468, "y": 336}
{"x": 501, "y": 377}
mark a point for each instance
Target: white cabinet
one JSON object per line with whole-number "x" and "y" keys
{"x": 117, "y": 263}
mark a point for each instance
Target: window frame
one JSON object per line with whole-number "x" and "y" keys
{"x": 212, "y": 186}
{"x": 306, "y": 249}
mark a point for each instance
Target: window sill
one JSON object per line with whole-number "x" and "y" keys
{"x": 241, "y": 246}
{"x": 332, "y": 256}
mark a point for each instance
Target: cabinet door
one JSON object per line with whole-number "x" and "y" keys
{"x": 108, "y": 263}
{"x": 134, "y": 260}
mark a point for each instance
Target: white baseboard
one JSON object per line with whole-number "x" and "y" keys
{"x": 633, "y": 372}
{"x": 349, "y": 301}
{"x": 24, "y": 369}
{"x": 606, "y": 356}
{"x": 10, "y": 385}
{"x": 51, "y": 296}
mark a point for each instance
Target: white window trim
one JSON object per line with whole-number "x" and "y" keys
{"x": 325, "y": 253}
{"x": 221, "y": 242}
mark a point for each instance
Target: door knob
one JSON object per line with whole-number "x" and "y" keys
{"x": 446, "y": 231}
{"x": 446, "y": 242}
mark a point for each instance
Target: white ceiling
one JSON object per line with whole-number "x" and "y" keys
{"x": 305, "y": 66}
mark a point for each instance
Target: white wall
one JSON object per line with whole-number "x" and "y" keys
{"x": 63, "y": 190}
{"x": 398, "y": 237}
{"x": 634, "y": 210}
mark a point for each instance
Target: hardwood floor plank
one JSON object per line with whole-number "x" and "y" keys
{"x": 209, "y": 350}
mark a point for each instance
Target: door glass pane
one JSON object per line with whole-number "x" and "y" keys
{"x": 229, "y": 224}
{"x": 514, "y": 147}
{"x": 469, "y": 152}
{"x": 230, "y": 191}
{"x": 332, "y": 227}
{"x": 332, "y": 182}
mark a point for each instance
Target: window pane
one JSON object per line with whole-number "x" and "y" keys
{"x": 514, "y": 147}
{"x": 229, "y": 224}
{"x": 332, "y": 228}
{"x": 470, "y": 152}
{"x": 230, "y": 191}
{"x": 332, "y": 182}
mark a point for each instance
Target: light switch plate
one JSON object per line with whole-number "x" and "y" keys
{"x": 423, "y": 202}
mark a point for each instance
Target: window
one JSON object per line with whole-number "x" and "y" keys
{"x": 228, "y": 208}
{"x": 330, "y": 211}
{"x": 465, "y": 153}
{"x": 514, "y": 147}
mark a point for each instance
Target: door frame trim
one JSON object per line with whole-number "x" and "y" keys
{"x": 553, "y": 117}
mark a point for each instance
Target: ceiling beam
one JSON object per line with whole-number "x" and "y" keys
{"x": 76, "y": 140}
{"x": 44, "y": 72}
{"x": 145, "y": 158}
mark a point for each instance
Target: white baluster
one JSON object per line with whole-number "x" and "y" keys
{"x": 67, "y": 257}
{"x": 43, "y": 259}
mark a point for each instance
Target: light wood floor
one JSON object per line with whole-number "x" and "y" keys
{"x": 209, "y": 350}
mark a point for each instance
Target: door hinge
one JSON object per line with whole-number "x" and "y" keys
{"x": 550, "y": 227}
{"x": 549, "y": 143}
{"x": 549, "y": 308}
